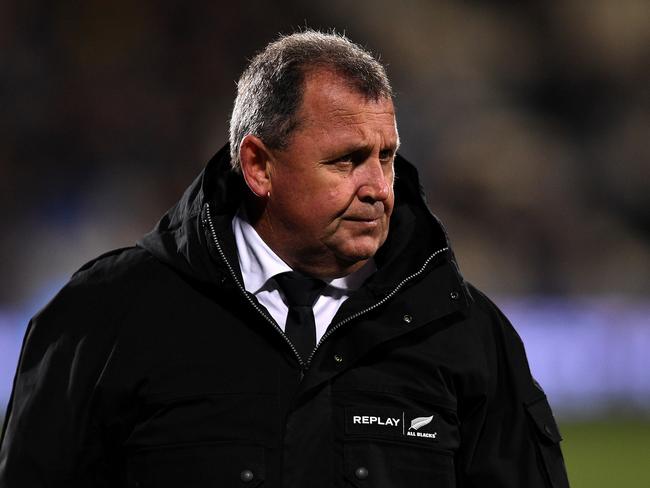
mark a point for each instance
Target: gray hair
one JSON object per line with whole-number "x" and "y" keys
{"x": 270, "y": 90}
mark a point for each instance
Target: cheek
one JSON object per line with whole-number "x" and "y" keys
{"x": 390, "y": 203}
{"x": 315, "y": 206}
{"x": 333, "y": 193}
{"x": 321, "y": 200}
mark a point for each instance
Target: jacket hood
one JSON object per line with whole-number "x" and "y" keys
{"x": 181, "y": 239}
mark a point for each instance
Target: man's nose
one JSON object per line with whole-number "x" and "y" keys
{"x": 375, "y": 180}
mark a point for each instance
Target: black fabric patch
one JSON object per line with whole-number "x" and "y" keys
{"x": 390, "y": 422}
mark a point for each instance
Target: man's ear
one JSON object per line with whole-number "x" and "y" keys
{"x": 256, "y": 165}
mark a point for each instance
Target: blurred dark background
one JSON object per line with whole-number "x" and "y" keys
{"x": 528, "y": 120}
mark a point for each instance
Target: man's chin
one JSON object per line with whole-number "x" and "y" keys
{"x": 352, "y": 252}
{"x": 357, "y": 255}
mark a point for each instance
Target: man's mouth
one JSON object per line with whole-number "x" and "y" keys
{"x": 363, "y": 219}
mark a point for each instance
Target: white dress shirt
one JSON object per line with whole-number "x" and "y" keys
{"x": 259, "y": 264}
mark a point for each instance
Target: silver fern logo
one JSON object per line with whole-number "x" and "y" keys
{"x": 418, "y": 422}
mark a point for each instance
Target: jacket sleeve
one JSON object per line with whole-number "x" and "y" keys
{"x": 50, "y": 438}
{"x": 509, "y": 436}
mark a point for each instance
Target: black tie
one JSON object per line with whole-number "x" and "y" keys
{"x": 300, "y": 292}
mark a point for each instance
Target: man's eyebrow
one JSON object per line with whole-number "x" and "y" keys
{"x": 351, "y": 149}
{"x": 392, "y": 147}
{"x": 362, "y": 148}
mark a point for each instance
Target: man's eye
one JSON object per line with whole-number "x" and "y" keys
{"x": 386, "y": 155}
{"x": 347, "y": 158}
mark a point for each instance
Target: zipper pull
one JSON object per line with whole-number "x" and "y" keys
{"x": 303, "y": 370}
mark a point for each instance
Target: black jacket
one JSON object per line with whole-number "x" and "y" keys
{"x": 153, "y": 367}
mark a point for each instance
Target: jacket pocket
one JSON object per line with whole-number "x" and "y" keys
{"x": 225, "y": 465}
{"x": 548, "y": 436}
{"x": 375, "y": 463}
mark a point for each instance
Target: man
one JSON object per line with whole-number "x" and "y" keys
{"x": 296, "y": 320}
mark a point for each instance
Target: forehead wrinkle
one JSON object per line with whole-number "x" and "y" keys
{"x": 372, "y": 110}
{"x": 342, "y": 117}
{"x": 353, "y": 135}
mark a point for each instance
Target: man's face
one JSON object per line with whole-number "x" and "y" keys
{"x": 331, "y": 191}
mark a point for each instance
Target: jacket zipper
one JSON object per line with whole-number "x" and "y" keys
{"x": 390, "y": 295}
{"x": 305, "y": 365}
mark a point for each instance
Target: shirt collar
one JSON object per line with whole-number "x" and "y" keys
{"x": 353, "y": 281}
{"x": 259, "y": 263}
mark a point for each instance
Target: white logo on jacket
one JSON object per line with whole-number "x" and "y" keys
{"x": 372, "y": 420}
{"x": 417, "y": 423}
{"x": 388, "y": 423}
